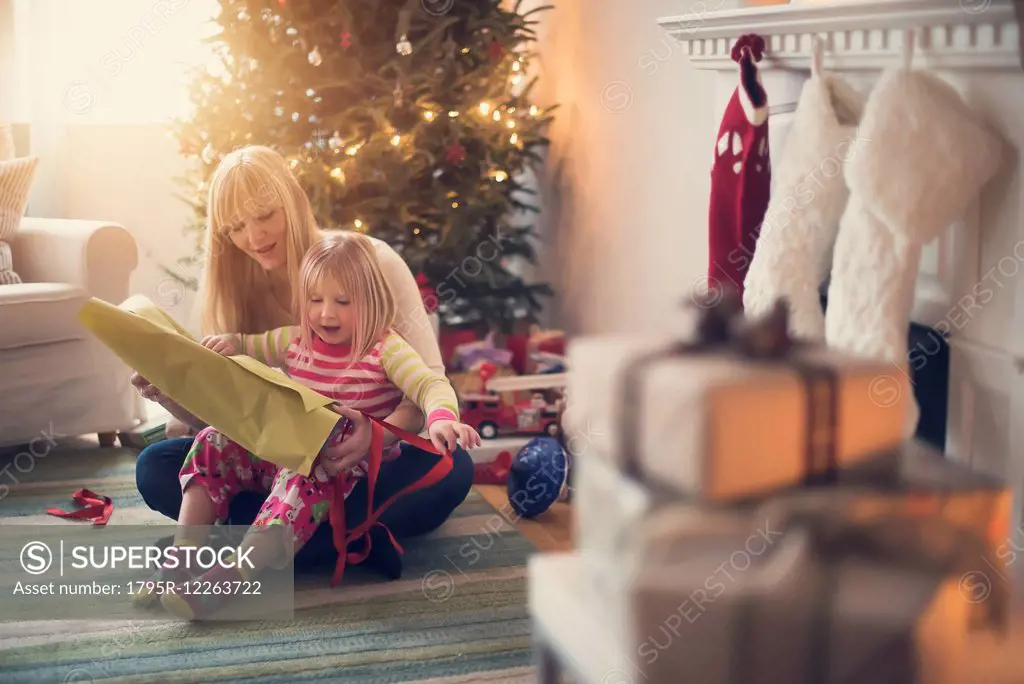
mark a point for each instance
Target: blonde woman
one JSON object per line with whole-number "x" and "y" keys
{"x": 259, "y": 226}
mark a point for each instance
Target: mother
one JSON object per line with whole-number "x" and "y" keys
{"x": 259, "y": 226}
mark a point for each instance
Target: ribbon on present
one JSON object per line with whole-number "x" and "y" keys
{"x": 931, "y": 546}
{"x": 722, "y": 329}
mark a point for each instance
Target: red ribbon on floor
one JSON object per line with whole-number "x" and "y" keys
{"x": 496, "y": 472}
{"x": 343, "y": 536}
{"x": 96, "y": 507}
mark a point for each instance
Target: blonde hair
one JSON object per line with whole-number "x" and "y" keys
{"x": 246, "y": 184}
{"x": 350, "y": 260}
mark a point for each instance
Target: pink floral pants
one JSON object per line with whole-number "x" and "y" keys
{"x": 224, "y": 468}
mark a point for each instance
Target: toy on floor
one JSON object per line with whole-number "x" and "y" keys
{"x": 539, "y": 477}
{"x": 491, "y": 414}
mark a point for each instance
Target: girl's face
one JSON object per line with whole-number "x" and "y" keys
{"x": 330, "y": 312}
{"x": 262, "y": 237}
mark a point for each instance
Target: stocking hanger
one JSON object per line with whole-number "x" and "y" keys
{"x": 908, "y": 48}
{"x": 817, "y": 55}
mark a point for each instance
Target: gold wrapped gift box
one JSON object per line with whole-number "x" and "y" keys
{"x": 714, "y": 425}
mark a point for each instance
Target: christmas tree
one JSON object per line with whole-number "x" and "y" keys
{"x": 409, "y": 120}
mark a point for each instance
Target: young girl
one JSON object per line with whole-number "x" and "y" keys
{"x": 345, "y": 349}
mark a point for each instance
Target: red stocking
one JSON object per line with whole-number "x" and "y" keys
{"x": 740, "y": 175}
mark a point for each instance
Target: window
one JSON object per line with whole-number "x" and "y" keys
{"x": 108, "y": 61}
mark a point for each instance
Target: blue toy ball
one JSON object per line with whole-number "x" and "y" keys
{"x": 538, "y": 476}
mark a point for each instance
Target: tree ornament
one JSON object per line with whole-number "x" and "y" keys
{"x": 496, "y": 51}
{"x": 315, "y": 58}
{"x": 208, "y": 153}
{"x": 449, "y": 47}
{"x": 403, "y": 46}
{"x": 345, "y": 40}
{"x": 455, "y": 153}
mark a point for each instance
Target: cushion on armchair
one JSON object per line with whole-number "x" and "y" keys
{"x": 15, "y": 180}
{"x": 40, "y": 313}
{"x": 7, "y": 274}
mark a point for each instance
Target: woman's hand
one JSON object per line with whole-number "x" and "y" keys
{"x": 182, "y": 422}
{"x": 447, "y": 434}
{"x": 146, "y": 389}
{"x": 353, "y": 448}
{"x": 226, "y": 345}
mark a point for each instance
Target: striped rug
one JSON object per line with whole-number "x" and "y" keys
{"x": 466, "y": 622}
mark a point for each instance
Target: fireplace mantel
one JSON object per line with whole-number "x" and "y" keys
{"x": 970, "y": 283}
{"x": 859, "y": 34}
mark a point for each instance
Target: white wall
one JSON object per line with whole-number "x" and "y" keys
{"x": 626, "y": 188}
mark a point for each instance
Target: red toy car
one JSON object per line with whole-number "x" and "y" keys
{"x": 491, "y": 415}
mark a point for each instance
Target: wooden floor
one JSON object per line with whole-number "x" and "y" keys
{"x": 550, "y": 531}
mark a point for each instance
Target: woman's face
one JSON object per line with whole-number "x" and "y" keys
{"x": 262, "y": 237}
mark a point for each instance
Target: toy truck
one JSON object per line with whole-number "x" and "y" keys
{"x": 491, "y": 415}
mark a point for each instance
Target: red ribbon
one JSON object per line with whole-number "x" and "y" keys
{"x": 343, "y": 536}
{"x": 97, "y": 507}
{"x": 495, "y": 472}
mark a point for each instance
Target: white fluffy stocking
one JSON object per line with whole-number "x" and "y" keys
{"x": 923, "y": 159}
{"x": 794, "y": 249}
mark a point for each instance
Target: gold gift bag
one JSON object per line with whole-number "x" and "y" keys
{"x": 258, "y": 407}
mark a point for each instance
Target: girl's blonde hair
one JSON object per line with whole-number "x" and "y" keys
{"x": 246, "y": 184}
{"x": 350, "y": 260}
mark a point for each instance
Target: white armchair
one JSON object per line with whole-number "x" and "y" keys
{"x": 55, "y": 377}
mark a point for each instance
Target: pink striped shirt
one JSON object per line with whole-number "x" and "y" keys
{"x": 375, "y": 384}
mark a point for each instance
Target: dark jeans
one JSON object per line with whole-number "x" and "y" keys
{"x": 156, "y": 475}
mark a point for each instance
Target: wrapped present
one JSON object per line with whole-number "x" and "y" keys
{"x": 802, "y": 597}
{"x": 262, "y": 409}
{"x": 470, "y": 355}
{"x": 737, "y": 412}
{"x": 475, "y": 381}
{"x": 531, "y": 351}
{"x": 613, "y": 509}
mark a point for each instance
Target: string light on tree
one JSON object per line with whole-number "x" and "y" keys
{"x": 533, "y": 110}
{"x": 337, "y": 174}
{"x": 500, "y": 176}
{"x": 357, "y": 223}
{"x": 428, "y": 115}
{"x": 396, "y": 140}
{"x": 485, "y": 108}
{"x": 453, "y": 114}
{"x": 351, "y": 151}
{"x": 315, "y": 58}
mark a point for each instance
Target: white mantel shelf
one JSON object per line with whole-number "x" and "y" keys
{"x": 858, "y": 34}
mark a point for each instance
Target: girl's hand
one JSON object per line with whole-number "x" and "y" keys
{"x": 447, "y": 434}
{"x": 227, "y": 345}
